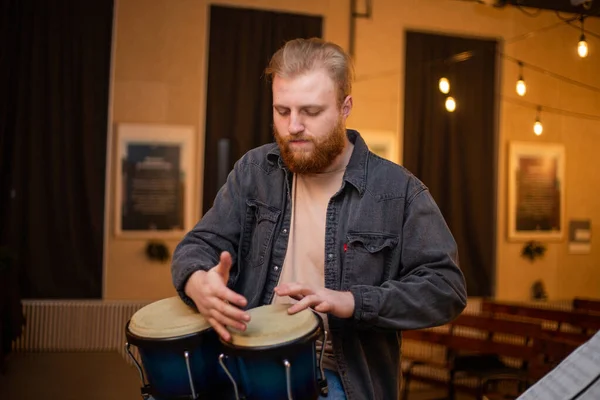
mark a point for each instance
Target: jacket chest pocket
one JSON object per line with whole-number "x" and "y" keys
{"x": 257, "y": 233}
{"x": 368, "y": 258}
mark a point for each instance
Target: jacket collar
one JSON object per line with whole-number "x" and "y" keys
{"x": 356, "y": 171}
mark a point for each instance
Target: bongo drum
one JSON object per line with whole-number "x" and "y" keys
{"x": 275, "y": 357}
{"x": 179, "y": 352}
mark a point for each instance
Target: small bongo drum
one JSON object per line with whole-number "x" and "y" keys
{"x": 179, "y": 351}
{"x": 275, "y": 357}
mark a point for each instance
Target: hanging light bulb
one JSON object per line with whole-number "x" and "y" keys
{"x": 538, "y": 127}
{"x": 450, "y": 104}
{"x": 521, "y": 87}
{"x": 444, "y": 85}
{"x": 582, "y": 46}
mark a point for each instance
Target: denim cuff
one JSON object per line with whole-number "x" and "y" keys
{"x": 180, "y": 281}
{"x": 366, "y": 305}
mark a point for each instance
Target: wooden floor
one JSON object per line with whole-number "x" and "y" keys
{"x": 69, "y": 376}
{"x": 87, "y": 376}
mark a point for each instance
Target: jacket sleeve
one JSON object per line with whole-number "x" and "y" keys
{"x": 217, "y": 231}
{"x": 430, "y": 289}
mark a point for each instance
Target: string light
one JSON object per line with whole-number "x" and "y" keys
{"x": 444, "y": 85}
{"x": 553, "y": 74}
{"x": 521, "y": 87}
{"x": 538, "y": 128}
{"x": 450, "y": 104}
{"x": 552, "y": 110}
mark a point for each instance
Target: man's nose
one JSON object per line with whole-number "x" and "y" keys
{"x": 296, "y": 125}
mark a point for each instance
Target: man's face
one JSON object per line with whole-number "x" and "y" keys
{"x": 308, "y": 123}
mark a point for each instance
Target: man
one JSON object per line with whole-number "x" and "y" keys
{"x": 319, "y": 221}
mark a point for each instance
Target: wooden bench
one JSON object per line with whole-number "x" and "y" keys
{"x": 583, "y": 325}
{"x": 586, "y": 305}
{"x": 475, "y": 350}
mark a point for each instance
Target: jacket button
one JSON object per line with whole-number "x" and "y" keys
{"x": 276, "y": 268}
{"x": 330, "y": 256}
{"x": 285, "y": 231}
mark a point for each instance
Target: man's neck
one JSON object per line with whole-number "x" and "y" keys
{"x": 342, "y": 159}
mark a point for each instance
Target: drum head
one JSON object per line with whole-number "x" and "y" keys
{"x": 167, "y": 318}
{"x": 272, "y": 325}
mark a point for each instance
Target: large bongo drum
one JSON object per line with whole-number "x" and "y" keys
{"x": 179, "y": 352}
{"x": 275, "y": 357}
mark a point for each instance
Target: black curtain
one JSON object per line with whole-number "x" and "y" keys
{"x": 54, "y": 75}
{"x": 239, "y": 99}
{"x": 454, "y": 153}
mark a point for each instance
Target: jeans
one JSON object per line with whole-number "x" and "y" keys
{"x": 336, "y": 390}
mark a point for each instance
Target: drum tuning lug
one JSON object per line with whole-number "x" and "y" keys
{"x": 323, "y": 387}
{"x": 323, "y": 344}
{"x": 231, "y": 378}
{"x": 288, "y": 378}
{"x": 186, "y": 355}
{"x": 145, "y": 392}
{"x": 138, "y": 366}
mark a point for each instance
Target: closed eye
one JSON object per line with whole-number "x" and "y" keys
{"x": 312, "y": 112}
{"x": 282, "y": 111}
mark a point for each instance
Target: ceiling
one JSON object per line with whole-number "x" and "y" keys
{"x": 587, "y": 7}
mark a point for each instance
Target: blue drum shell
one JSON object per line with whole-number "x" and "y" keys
{"x": 166, "y": 373}
{"x": 262, "y": 374}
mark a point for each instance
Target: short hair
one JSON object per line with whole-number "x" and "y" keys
{"x": 299, "y": 56}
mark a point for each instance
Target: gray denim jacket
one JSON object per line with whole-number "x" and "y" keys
{"x": 386, "y": 242}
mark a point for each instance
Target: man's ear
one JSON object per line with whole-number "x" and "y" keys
{"x": 347, "y": 106}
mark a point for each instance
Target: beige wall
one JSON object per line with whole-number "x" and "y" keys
{"x": 159, "y": 69}
{"x": 379, "y": 105}
{"x": 159, "y": 77}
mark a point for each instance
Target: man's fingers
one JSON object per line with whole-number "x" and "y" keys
{"x": 224, "y": 264}
{"x": 224, "y": 333}
{"x": 229, "y": 295}
{"x": 306, "y": 302}
{"x": 294, "y": 289}
{"x": 227, "y": 321}
{"x": 287, "y": 289}
{"x": 323, "y": 307}
{"x": 230, "y": 311}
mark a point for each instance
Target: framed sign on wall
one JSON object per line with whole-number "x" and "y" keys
{"x": 153, "y": 190}
{"x": 536, "y": 191}
{"x": 382, "y": 143}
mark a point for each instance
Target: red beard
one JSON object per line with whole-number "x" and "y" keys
{"x": 319, "y": 157}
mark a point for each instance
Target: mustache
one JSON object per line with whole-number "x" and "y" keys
{"x": 299, "y": 139}
{"x": 290, "y": 138}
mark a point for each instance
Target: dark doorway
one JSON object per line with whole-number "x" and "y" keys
{"x": 454, "y": 153}
{"x": 239, "y": 99}
{"x": 55, "y": 78}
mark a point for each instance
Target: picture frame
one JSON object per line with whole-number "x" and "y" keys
{"x": 154, "y": 177}
{"x": 383, "y": 143}
{"x": 536, "y": 191}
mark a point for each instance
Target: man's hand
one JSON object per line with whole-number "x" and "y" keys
{"x": 215, "y": 301}
{"x": 340, "y": 304}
